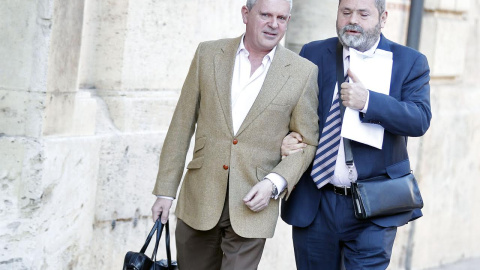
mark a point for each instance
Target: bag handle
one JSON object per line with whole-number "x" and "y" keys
{"x": 167, "y": 243}
{"x": 149, "y": 237}
{"x": 158, "y": 227}
{"x": 157, "y": 241}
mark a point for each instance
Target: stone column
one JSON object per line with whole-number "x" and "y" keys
{"x": 48, "y": 162}
{"x": 448, "y": 165}
{"x": 311, "y": 20}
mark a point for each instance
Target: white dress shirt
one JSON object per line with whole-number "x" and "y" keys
{"x": 341, "y": 175}
{"x": 245, "y": 89}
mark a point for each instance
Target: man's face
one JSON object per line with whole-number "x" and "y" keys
{"x": 358, "y": 23}
{"x": 266, "y": 24}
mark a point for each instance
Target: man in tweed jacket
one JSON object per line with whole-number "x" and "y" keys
{"x": 240, "y": 98}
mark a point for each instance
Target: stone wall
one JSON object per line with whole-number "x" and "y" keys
{"x": 49, "y": 164}
{"x": 447, "y": 232}
{"x": 87, "y": 91}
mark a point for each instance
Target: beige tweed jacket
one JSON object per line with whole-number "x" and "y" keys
{"x": 288, "y": 101}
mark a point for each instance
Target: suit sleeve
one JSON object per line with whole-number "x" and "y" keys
{"x": 181, "y": 129}
{"x": 304, "y": 120}
{"x": 411, "y": 115}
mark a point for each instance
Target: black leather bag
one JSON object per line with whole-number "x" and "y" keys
{"x": 383, "y": 196}
{"x": 140, "y": 261}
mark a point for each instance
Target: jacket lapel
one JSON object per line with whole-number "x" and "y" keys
{"x": 329, "y": 68}
{"x": 384, "y": 43}
{"x": 224, "y": 64}
{"x": 276, "y": 78}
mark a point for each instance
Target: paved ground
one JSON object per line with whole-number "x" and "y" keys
{"x": 467, "y": 264}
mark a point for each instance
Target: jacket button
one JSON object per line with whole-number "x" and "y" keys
{"x": 225, "y": 167}
{"x": 235, "y": 141}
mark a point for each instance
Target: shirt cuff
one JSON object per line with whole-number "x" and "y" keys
{"x": 278, "y": 181}
{"x": 364, "y": 110}
{"x": 165, "y": 197}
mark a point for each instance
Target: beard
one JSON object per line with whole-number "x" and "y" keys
{"x": 360, "y": 43}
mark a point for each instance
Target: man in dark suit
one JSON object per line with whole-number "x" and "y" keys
{"x": 322, "y": 215}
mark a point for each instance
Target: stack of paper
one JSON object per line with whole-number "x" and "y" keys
{"x": 374, "y": 71}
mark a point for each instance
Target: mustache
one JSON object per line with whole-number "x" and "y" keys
{"x": 352, "y": 27}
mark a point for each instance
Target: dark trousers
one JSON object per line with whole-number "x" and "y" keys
{"x": 336, "y": 231}
{"x": 218, "y": 248}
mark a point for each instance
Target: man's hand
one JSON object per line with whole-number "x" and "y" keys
{"x": 292, "y": 143}
{"x": 161, "y": 206}
{"x": 354, "y": 94}
{"x": 259, "y": 196}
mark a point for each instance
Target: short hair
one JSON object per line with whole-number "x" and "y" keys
{"x": 379, "y": 4}
{"x": 251, "y": 3}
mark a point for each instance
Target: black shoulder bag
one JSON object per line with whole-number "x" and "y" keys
{"x": 381, "y": 195}
{"x": 140, "y": 261}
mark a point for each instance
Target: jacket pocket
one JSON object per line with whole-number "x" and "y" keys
{"x": 199, "y": 144}
{"x": 196, "y": 163}
{"x": 278, "y": 107}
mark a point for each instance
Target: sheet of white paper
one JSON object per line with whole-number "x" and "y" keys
{"x": 375, "y": 74}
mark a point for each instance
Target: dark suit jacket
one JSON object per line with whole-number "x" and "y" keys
{"x": 405, "y": 112}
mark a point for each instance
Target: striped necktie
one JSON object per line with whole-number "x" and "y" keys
{"x": 326, "y": 155}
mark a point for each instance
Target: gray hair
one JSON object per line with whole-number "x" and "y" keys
{"x": 251, "y": 3}
{"x": 379, "y": 4}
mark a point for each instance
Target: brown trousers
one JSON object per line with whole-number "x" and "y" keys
{"x": 217, "y": 249}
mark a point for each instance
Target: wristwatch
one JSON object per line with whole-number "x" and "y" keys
{"x": 274, "y": 190}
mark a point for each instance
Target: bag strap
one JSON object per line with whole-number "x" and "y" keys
{"x": 158, "y": 227}
{"x": 340, "y": 80}
{"x": 149, "y": 237}
{"x": 159, "y": 234}
{"x": 167, "y": 243}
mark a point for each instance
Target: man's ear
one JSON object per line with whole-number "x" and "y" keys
{"x": 383, "y": 19}
{"x": 245, "y": 14}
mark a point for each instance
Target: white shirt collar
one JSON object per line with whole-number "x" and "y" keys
{"x": 242, "y": 49}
